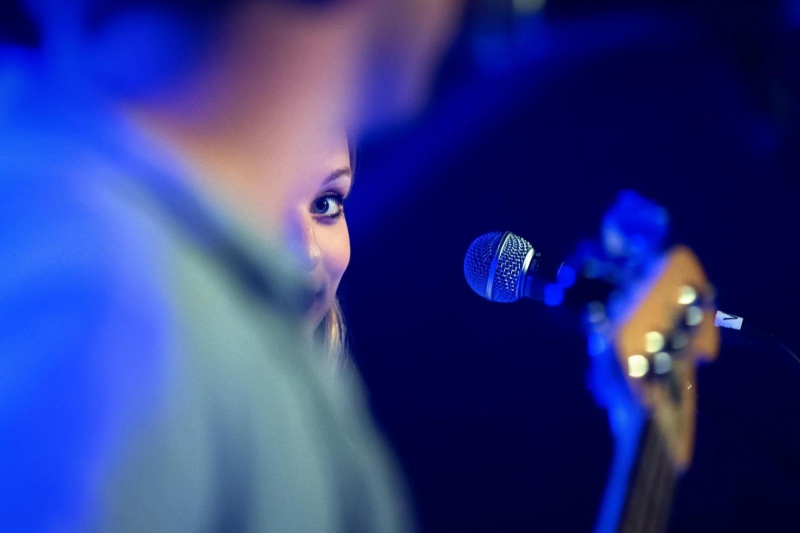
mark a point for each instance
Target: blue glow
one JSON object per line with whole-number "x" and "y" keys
{"x": 634, "y": 224}
{"x": 625, "y": 419}
{"x": 141, "y": 50}
{"x": 624, "y": 457}
{"x": 596, "y": 344}
{"x": 553, "y": 295}
{"x": 566, "y": 276}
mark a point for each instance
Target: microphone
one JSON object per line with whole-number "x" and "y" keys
{"x": 503, "y": 267}
{"x": 497, "y": 265}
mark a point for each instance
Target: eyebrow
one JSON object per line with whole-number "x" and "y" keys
{"x": 336, "y": 174}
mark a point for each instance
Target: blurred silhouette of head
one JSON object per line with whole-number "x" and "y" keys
{"x": 372, "y": 59}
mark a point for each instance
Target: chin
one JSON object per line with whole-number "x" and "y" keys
{"x": 316, "y": 315}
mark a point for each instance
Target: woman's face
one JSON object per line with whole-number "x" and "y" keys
{"x": 313, "y": 224}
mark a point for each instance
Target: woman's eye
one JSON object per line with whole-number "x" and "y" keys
{"x": 328, "y": 206}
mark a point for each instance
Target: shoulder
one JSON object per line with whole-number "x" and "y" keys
{"x": 83, "y": 322}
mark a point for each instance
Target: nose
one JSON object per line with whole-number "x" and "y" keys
{"x": 302, "y": 242}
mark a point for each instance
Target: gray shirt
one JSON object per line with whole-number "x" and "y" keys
{"x": 154, "y": 373}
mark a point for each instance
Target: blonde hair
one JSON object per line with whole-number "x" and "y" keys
{"x": 333, "y": 334}
{"x": 332, "y": 331}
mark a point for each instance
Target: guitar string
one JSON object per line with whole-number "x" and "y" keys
{"x": 631, "y": 523}
{"x": 635, "y": 511}
{"x": 645, "y": 482}
{"x": 670, "y": 478}
{"x": 651, "y": 490}
{"x": 664, "y": 487}
{"x": 652, "y": 484}
{"x": 667, "y": 484}
{"x": 650, "y": 481}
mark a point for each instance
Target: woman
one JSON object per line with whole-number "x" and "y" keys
{"x": 159, "y": 379}
{"x": 312, "y": 222}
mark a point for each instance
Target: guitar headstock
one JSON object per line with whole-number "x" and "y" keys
{"x": 649, "y": 316}
{"x": 653, "y": 328}
{"x": 658, "y": 342}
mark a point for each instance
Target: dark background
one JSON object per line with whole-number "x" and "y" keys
{"x": 536, "y": 123}
{"x": 486, "y": 404}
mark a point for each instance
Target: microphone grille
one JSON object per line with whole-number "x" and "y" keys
{"x": 478, "y": 261}
{"x": 496, "y": 260}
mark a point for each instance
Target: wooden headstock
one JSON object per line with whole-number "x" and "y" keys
{"x": 650, "y": 320}
{"x": 669, "y": 328}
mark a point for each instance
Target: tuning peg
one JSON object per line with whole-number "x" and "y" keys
{"x": 677, "y": 341}
{"x": 638, "y": 366}
{"x": 653, "y": 342}
{"x": 658, "y": 365}
{"x": 662, "y": 363}
{"x": 687, "y": 295}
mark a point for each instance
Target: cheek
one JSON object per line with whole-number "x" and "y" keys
{"x": 335, "y": 247}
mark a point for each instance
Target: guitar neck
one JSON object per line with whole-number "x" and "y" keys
{"x": 651, "y": 486}
{"x": 646, "y": 336}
